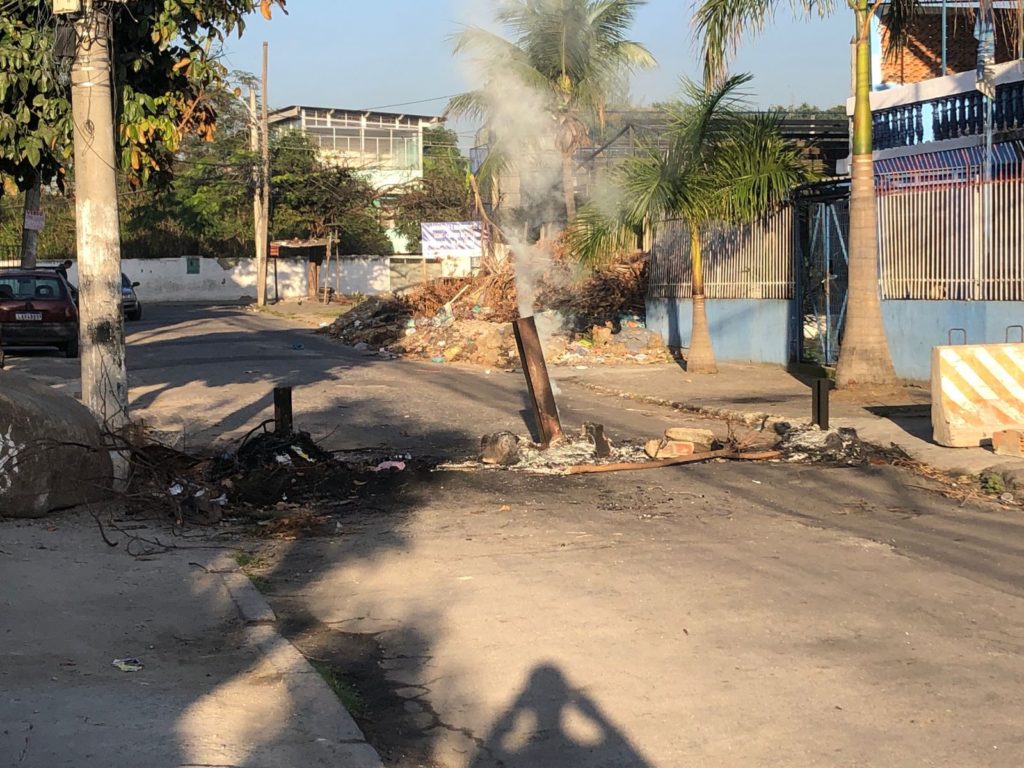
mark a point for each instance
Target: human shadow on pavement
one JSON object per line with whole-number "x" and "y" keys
{"x": 551, "y": 724}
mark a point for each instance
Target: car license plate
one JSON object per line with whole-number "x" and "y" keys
{"x": 37, "y": 316}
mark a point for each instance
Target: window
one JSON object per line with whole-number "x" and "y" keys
{"x": 24, "y": 288}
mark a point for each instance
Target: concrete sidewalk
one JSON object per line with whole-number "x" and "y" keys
{"x": 765, "y": 393}
{"x": 214, "y": 690}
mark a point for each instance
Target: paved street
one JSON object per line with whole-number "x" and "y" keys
{"x": 714, "y": 615}
{"x": 210, "y": 371}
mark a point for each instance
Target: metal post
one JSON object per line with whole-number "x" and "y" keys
{"x": 531, "y": 355}
{"x": 819, "y": 402}
{"x": 945, "y": 70}
{"x": 283, "y": 410}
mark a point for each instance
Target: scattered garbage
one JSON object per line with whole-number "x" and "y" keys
{"x": 386, "y": 465}
{"x": 837, "y": 446}
{"x": 130, "y": 664}
{"x": 597, "y": 319}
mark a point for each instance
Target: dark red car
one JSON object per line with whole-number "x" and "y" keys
{"x": 37, "y": 310}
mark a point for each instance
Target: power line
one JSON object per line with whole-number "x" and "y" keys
{"x": 409, "y": 103}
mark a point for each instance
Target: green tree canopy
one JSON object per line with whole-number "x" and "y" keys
{"x": 165, "y": 70}
{"x": 311, "y": 198}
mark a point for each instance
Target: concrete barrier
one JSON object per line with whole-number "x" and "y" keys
{"x": 977, "y": 389}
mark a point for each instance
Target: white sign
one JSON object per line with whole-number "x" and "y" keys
{"x": 35, "y": 220}
{"x": 67, "y": 6}
{"x": 458, "y": 245}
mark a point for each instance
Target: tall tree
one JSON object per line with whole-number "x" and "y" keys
{"x": 720, "y": 164}
{"x": 864, "y": 356}
{"x": 166, "y": 67}
{"x": 311, "y": 199}
{"x": 569, "y": 53}
{"x": 140, "y": 101}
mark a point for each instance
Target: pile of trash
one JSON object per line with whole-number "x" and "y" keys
{"x": 592, "y": 321}
{"x": 269, "y": 476}
{"x": 833, "y": 446}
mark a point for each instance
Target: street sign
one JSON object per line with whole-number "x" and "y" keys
{"x": 67, "y": 6}
{"x": 35, "y": 220}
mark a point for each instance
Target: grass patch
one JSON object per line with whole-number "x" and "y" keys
{"x": 262, "y": 583}
{"x": 247, "y": 560}
{"x": 347, "y": 695}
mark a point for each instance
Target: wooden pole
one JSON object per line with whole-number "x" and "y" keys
{"x": 531, "y": 356}
{"x": 264, "y": 233}
{"x": 283, "y": 422}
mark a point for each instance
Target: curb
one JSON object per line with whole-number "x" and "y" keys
{"x": 749, "y": 418}
{"x": 308, "y": 690}
{"x": 763, "y": 421}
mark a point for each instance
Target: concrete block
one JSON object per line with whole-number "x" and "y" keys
{"x": 669, "y": 449}
{"x": 52, "y": 454}
{"x": 977, "y": 390}
{"x": 702, "y": 439}
{"x": 1009, "y": 442}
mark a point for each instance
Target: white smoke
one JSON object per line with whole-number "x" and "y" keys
{"x": 523, "y": 130}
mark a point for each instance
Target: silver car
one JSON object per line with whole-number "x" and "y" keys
{"x": 129, "y": 299}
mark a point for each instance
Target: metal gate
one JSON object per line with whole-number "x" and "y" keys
{"x": 823, "y": 272}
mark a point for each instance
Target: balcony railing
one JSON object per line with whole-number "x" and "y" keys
{"x": 948, "y": 117}
{"x": 945, "y": 109}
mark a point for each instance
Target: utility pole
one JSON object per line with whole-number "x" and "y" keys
{"x": 101, "y": 323}
{"x": 258, "y": 207}
{"x": 264, "y": 233}
{"x": 30, "y": 234}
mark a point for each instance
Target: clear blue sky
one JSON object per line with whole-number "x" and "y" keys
{"x": 361, "y": 54}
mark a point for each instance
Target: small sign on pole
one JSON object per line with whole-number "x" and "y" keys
{"x": 35, "y": 220}
{"x": 67, "y": 6}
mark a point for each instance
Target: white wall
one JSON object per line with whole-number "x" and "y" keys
{"x": 232, "y": 280}
{"x": 368, "y": 275}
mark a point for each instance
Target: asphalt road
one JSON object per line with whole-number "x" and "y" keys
{"x": 714, "y": 615}
{"x": 209, "y": 373}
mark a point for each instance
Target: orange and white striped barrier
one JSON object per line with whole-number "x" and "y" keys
{"x": 977, "y": 389}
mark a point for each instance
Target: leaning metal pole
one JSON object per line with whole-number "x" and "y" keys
{"x": 531, "y": 354}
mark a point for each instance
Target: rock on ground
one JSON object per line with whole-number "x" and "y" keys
{"x": 51, "y": 450}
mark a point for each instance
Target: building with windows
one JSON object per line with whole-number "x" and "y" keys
{"x": 386, "y": 147}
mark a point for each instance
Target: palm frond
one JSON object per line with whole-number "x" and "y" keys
{"x": 594, "y": 237}
{"x": 756, "y": 169}
{"x": 472, "y": 104}
{"x": 899, "y": 19}
{"x": 719, "y": 25}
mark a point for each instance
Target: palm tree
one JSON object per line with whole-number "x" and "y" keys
{"x": 722, "y": 165}
{"x": 864, "y": 356}
{"x": 568, "y": 54}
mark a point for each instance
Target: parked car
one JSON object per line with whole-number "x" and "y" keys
{"x": 129, "y": 299}
{"x": 37, "y": 309}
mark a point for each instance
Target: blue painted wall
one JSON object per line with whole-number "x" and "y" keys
{"x": 762, "y": 330}
{"x": 742, "y": 330}
{"x": 914, "y": 327}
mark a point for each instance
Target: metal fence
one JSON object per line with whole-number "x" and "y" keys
{"x": 952, "y": 238}
{"x": 749, "y": 262}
